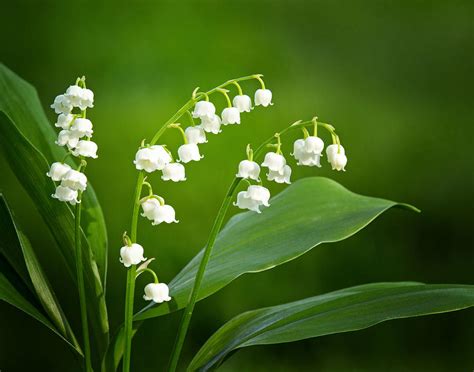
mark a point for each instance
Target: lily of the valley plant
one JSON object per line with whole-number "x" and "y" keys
{"x": 271, "y": 231}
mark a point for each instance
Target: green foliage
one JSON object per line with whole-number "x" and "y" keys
{"x": 346, "y": 310}
{"x": 23, "y": 283}
{"x": 27, "y": 142}
{"x": 309, "y": 212}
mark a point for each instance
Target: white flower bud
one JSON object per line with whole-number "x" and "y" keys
{"x": 242, "y": 103}
{"x": 189, "y": 152}
{"x": 65, "y": 194}
{"x": 174, "y": 172}
{"x": 211, "y": 124}
{"x": 61, "y": 105}
{"x": 274, "y": 161}
{"x": 152, "y": 158}
{"x": 254, "y": 197}
{"x": 154, "y": 211}
{"x": 263, "y": 97}
{"x": 314, "y": 145}
{"x": 230, "y": 115}
{"x": 68, "y": 137}
{"x": 281, "y": 176}
{"x": 64, "y": 121}
{"x": 131, "y": 255}
{"x": 86, "y": 148}
{"x": 74, "y": 180}
{"x": 248, "y": 169}
{"x": 83, "y": 127}
{"x": 204, "y": 109}
{"x": 158, "y": 292}
{"x": 195, "y": 135}
{"x": 58, "y": 170}
{"x": 339, "y": 161}
{"x": 333, "y": 149}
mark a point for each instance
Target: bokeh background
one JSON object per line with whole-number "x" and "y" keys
{"x": 394, "y": 77}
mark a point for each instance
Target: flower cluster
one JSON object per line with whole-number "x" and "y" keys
{"x": 157, "y": 157}
{"x": 76, "y": 133}
{"x": 307, "y": 151}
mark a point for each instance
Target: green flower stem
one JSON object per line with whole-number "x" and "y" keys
{"x": 131, "y": 274}
{"x": 81, "y": 287}
{"x": 188, "y": 312}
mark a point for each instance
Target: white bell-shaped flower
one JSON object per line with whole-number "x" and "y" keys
{"x": 68, "y": 137}
{"x": 253, "y": 198}
{"x": 263, "y": 97}
{"x": 83, "y": 127}
{"x": 74, "y": 93}
{"x": 313, "y": 145}
{"x": 152, "y": 158}
{"x": 230, "y": 115}
{"x": 211, "y": 124}
{"x": 85, "y": 148}
{"x": 62, "y": 105}
{"x": 58, "y": 170}
{"x": 158, "y": 292}
{"x": 87, "y": 99}
{"x": 281, "y": 176}
{"x": 189, "y": 152}
{"x": 74, "y": 180}
{"x": 304, "y": 157}
{"x": 274, "y": 161}
{"x": 339, "y": 161}
{"x": 195, "y": 135}
{"x": 174, "y": 172}
{"x": 65, "y": 194}
{"x": 243, "y": 103}
{"x": 333, "y": 149}
{"x": 131, "y": 254}
{"x": 154, "y": 211}
{"x": 248, "y": 169}
{"x": 64, "y": 121}
{"x": 204, "y": 109}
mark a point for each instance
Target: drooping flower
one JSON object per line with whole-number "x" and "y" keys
{"x": 303, "y": 156}
{"x": 253, "y": 198}
{"x": 195, "y": 135}
{"x": 131, "y": 254}
{"x": 313, "y": 145}
{"x": 248, "y": 169}
{"x": 68, "y": 137}
{"x": 65, "y": 194}
{"x": 87, "y": 99}
{"x": 263, "y": 97}
{"x": 189, "y": 152}
{"x": 243, "y": 103}
{"x": 174, "y": 172}
{"x": 211, "y": 124}
{"x": 74, "y": 180}
{"x": 274, "y": 161}
{"x": 158, "y": 213}
{"x": 158, "y": 292}
{"x": 85, "y": 148}
{"x": 230, "y": 115}
{"x": 64, "y": 121}
{"x": 281, "y": 176}
{"x": 336, "y": 157}
{"x": 83, "y": 127}
{"x": 58, "y": 170}
{"x": 333, "y": 149}
{"x": 152, "y": 158}
{"x": 62, "y": 105}
{"x": 204, "y": 109}
{"x": 74, "y": 93}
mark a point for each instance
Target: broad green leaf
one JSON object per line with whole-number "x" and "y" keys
{"x": 18, "y": 99}
{"x": 307, "y": 213}
{"x": 11, "y": 295}
{"x": 342, "y": 311}
{"x": 14, "y": 244}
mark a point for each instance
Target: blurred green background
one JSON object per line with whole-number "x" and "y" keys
{"x": 394, "y": 77}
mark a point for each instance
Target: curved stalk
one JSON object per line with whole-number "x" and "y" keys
{"x": 81, "y": 287}
{"x": 188, "y": 312}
